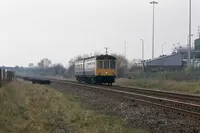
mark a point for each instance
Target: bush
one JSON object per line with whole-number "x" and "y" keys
{"x": 188, "y": 73}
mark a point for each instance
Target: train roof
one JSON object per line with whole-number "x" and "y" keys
{"x": 100, "y": 57}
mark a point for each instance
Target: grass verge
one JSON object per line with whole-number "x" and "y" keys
{"x": 28, "y": 108}
{"x": 177, "y": 86}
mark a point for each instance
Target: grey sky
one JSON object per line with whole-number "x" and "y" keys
{"x": 62, "y": 29}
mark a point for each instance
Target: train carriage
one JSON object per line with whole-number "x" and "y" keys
{"x": 98, "y": 69}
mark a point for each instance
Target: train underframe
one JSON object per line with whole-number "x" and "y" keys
{"x": 96, "y": 79}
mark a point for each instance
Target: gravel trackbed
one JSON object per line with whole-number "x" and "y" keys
{"x": 151, "y": 119}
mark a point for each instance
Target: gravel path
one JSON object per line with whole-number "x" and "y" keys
{"x": 136, "y": 115}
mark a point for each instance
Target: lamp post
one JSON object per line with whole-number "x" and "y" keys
{"x": 188, "y": 39}
{"x": 190, "y": 16}
{"x": 189, "y": 48}
{"x": 142, "y": 49}
{"x": 162, "y": 48}
{"x": 125, "y": 50}
{"x": 153, "y": 2}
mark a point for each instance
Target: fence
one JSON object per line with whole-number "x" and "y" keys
{"x": 6, "y": 76}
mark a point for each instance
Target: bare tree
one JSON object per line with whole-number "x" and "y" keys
{"x": 58, "y": 69}
{"x": 44, "y": 63}
{"x": 31, "y": 65}
{"x": 70, "y": 71}
{"x": 122, "y": 65}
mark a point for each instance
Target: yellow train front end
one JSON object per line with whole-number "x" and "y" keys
{"x": 106, "y": 69}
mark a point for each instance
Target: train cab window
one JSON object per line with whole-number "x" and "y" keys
{"x": 100, "y": 64}
{"x": 112, "y": 64}
{"x": 106, "y": 64}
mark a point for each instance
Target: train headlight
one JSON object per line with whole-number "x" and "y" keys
{"x": 106, "y": 72}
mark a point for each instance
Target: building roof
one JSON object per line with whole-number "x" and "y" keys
{"x": 168, "y": 60}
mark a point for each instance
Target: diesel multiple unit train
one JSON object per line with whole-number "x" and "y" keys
{"x": 97, "y": 69}
{"x": 5, "y": 76}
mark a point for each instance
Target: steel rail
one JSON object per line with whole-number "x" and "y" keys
{"x": 173, "y": 105}
{"x": 158, "y": 93}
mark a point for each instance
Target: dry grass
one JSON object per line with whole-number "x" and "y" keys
{"x": 37, "y": 109}
{"x": 186, "y": 87}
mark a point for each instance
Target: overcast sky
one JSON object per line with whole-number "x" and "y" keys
{"x": 61, "y": 29}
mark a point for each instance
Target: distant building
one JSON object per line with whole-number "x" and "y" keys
{"x": 176, "y": 61}
{"x": 168, "y": 62}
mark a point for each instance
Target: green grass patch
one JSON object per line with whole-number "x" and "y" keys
{"x": 177, "y": 86}
{"x": 35, "y": 108}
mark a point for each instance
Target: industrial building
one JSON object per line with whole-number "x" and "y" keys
{"x": 169, "y": 62}
{"x": 176, "y": 61}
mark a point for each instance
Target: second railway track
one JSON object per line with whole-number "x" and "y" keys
{"x": 183, "y": 104}
{"x": 190, "y": 98}
{"x": 163, "y": 94}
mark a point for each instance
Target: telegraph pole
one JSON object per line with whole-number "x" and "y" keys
{"x": 106, "y": 50}
{"x": 153, "y": 2}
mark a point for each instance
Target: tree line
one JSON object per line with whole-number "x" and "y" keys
{"x": 45, "y": 67}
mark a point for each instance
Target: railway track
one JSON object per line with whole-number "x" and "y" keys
{"x": 181, "y": 104}
{"x": 195, "y": 99}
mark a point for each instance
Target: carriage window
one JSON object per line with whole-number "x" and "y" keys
{"x": 100, "y": 64}
{"x": 106, "y": 64}
{"x": 77, "y": 67}
{"x": 112, "y": 64}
